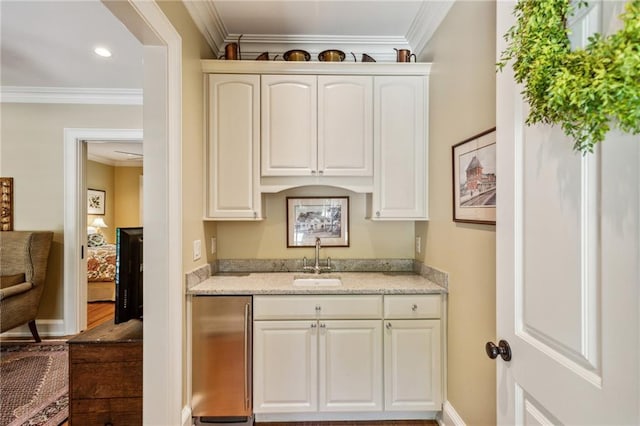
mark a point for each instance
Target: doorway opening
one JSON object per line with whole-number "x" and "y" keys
{"x": 79, "y": 178}
{"x": 115, "y": 169}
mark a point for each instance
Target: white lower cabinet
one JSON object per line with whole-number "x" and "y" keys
{"x": 341, "y": 355}
{"x": 285, "y": 366}
{"x": 350, "y": 367}
{"x": 306, "y": 366}
{"x": 412, "y": 373}
{"x": 413, "y": 352}
{"x": 315, "y": 365}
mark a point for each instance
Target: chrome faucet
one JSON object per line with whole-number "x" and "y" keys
{"x": 316, "y": 268}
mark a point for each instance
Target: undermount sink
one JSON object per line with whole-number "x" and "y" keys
{"x": 317, "y": 281}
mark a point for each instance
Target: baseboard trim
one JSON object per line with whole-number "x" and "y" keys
{"x": 450, "y": 416}
{"x": 46, "y": 328}
{"x": 344, "y": 416}
{"x": 186, "y": 416}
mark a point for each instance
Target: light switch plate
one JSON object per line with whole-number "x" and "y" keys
{"x": 197, "y": 249}
{"x": 418, "y": 245}
{"x": 214, "y": 245}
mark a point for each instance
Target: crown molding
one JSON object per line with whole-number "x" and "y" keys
{"x": 114, "y": 163}
{"x": 427, "y": 20}
{"x": 314, "y": 67}
{"x": 206, "y": 17}
{"x": 69, "y": 95}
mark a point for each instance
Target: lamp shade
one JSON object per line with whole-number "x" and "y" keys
{"x": 98, "y": 222}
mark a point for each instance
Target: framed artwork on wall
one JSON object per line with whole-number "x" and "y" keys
{"x": 96, "y": 201}
{"x": 6, "y": 204}
{"x": 474, "y": 179}
{"x": 309, "y": 218}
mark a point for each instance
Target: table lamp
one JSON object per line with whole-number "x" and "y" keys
{"x": 98, "y": 223}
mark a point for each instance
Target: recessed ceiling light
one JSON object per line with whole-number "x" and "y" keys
{"x": 102, "y": 51}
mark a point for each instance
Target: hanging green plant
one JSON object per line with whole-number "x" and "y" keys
{"x": 583, "y": 90}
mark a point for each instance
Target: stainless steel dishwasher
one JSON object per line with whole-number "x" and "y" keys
{"x": 221, "y": 360}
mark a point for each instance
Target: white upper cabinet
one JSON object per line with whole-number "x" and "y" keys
{"x": 233, "y": 147}
{"x": 317, "y": 126}
{"x": 345, "y": 125}
{"x": 289, "y": 122}
{"x": 276, "y": 125}
{"x": 400, "y": 148}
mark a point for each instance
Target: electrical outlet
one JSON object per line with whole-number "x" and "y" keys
{"x": 214, "y": 245}
{"x": 197, "y": 249}
{"x": 418, "y": 245}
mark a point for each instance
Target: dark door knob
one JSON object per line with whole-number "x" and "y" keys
{"x": 503, "y": 349}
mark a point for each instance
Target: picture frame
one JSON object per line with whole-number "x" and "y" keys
{"x": 309, "y": 218}
{"x": 96, "y": 200}
{"x": 6, "y": 204}
{"x": 474, "y": 179}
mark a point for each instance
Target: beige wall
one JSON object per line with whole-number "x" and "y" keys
{"x": 194, "y": 48}
{"x": 462, "y": 104}
{"x": 102, "y": 176}
{"x": 127, "y": 196}
{"x": 268, "y": 239}
{"x": 32, "y": 153}
{"x": 122, "y": 186}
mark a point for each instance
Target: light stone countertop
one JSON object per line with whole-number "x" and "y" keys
{"x": 282, "y": 283}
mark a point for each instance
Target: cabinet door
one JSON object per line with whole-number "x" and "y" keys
{"x": 400, "y": 147}
{"x": 233, "y": 147}
{"x": 345, "y": 125}
{"x": 285, "y": 363}
{"x": 350, "y": 365}
{"x": 412, "y": 365}
{"x": 289, "y": 125}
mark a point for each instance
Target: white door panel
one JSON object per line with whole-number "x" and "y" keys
{"x": 557, "y": 247}
{"x": 568, "y": 231}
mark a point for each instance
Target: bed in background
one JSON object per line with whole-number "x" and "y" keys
{"x": 101, "y": 272}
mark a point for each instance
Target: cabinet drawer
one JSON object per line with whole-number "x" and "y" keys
{"x": 317, "y": 307}
{"x": 106, "y": 380}
{"x": 108, "y": 352}
{"x": 115, "y": 411}
{"x": 412, "y": 306}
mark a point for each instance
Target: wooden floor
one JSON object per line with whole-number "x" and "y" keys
{"x": 351, "y": 423}
{"x": 361, "y": 423}
{"x": 99, "y": 312}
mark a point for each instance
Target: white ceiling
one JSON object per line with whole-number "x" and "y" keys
{"x": 50, "y": 44}
{"x": 46, "y": 47}
{"x": 119, "y": 154}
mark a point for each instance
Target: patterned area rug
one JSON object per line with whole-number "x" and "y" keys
{"x": 33, "y": 384}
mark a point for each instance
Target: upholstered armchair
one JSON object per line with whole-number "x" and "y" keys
{"x": 23, "y": 269}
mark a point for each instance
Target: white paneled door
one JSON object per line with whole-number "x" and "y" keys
{"x": 567, "y": 263}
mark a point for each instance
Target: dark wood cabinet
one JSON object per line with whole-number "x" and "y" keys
{"x": 105, "y": 375}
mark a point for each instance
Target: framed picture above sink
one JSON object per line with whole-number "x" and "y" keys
{"x": 309, "y": 218}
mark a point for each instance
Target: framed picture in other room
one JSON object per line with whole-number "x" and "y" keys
{"x": 474, "y": 179}
{"x": 96, "y": 201}
{"x": 6, "y": 204}
{"x": 309, "y": 218}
